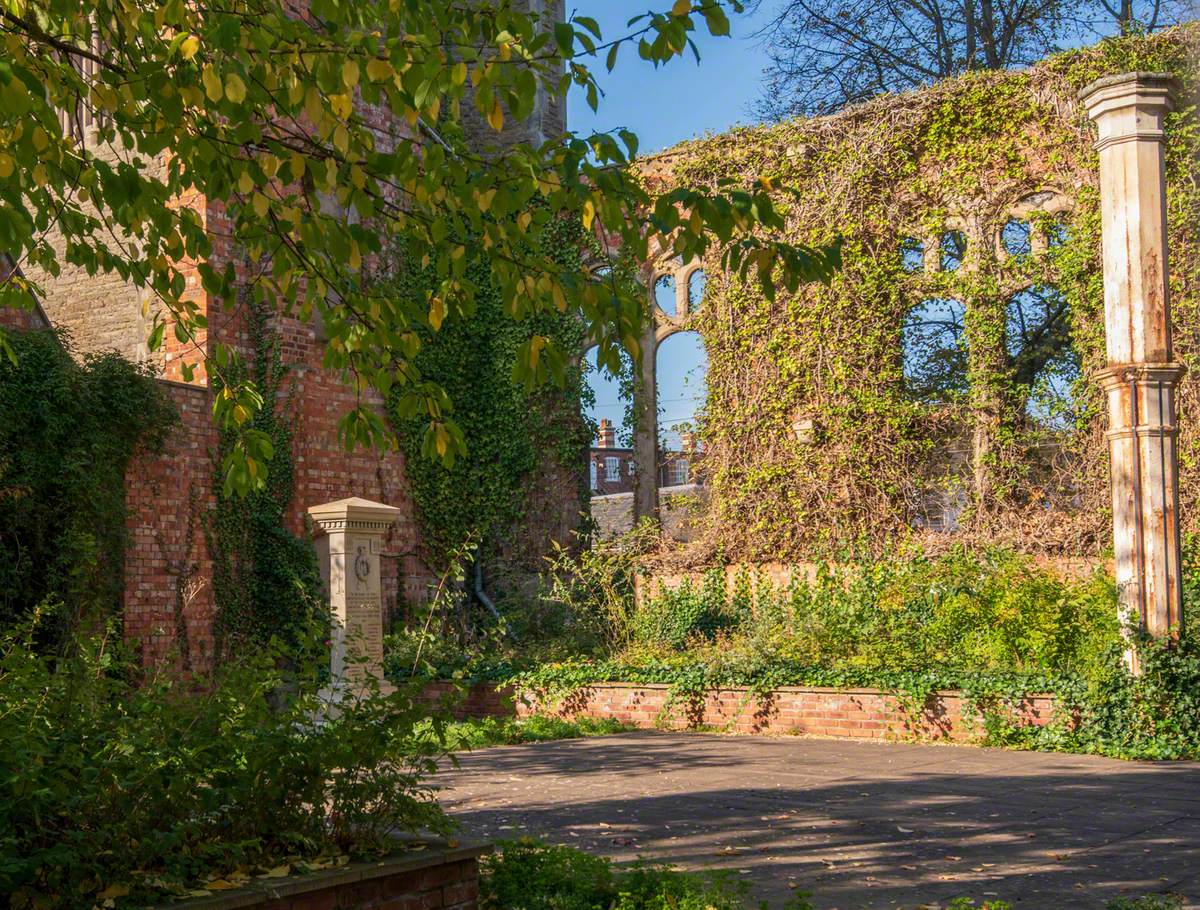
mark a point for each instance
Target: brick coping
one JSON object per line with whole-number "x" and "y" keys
{"x": 261, "y": 891}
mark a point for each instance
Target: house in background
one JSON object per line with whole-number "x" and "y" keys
{"x": 611, "y": 468}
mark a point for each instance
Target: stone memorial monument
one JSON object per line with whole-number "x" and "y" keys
{"x": 349, "y": 539}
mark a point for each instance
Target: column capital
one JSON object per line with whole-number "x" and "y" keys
{"x": 1129, "y": 107}
{"x": 354, "y": 514}
{"x": 1122, "y": 374}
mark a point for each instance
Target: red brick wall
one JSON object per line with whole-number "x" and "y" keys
{"x": 856, "y": 713}
{"x": 440, "y": 879}
{"x": 168, "y": 595}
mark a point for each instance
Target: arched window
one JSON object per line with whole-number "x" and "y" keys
{"x": 1015, "y": 237}
{"x": 1056, "y": 233}
{"x": 695, "y": 290}
{"x": 1045, "y": 366}
{"x": 912, "y": 255}
{"x": 607, "y": 401}
{"x": 953, "y": 250}
{"x": 682, "y": 367}
{"x": 935, "y": 350}
{"x": 664, "y": 294}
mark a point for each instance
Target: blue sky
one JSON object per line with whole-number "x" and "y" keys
{"x": 664, "y": 106}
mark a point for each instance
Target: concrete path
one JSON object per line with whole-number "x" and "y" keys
{"x": 857, "y": 824}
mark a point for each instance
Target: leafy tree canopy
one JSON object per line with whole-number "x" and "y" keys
{"x": 262, "y": 106}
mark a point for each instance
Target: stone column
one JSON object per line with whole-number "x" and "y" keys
{"x": 349, "y": 542}
{"x": 1141, "y": 376}
{"x": 645, "y": 431}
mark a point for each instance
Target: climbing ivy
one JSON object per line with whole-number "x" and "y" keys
{"x": 265, "y": 579}
{"x": 957, "y": 156}
{"x": 68, "y": 430}
{"x": 525, "y": 446}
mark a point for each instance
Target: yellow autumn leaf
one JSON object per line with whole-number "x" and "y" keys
{"x": 245, "y": 182}
{"x": 7, "y": 166}
{"x": 261, "y": 205}
{"x": 235, "y": 88}
{"x": 297, "y": 166}
{"x": 221, "y": 884}
{"x": 278, "y": 871}
{"x": 681, "y": 7}
{"x": 496, "y": 116}
{"x": 442, "y": 439}
{"x": 437, "y": 312}
{"x": 379, "y": 70}
{"x": 116, "y": 889}
{"x": 350, "y": 73}
{"x": 212, "y": 83}
{"x": 589, "y": 213}
{"x": 341, "y": 105}
{"x": 191, "y": 44}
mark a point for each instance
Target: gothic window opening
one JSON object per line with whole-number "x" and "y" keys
{"x": 664, "y": 294}
{"x": 912, "y": 255}
{"x": 1016, "y": 238}
{"x": 935, "y": 350}
{"x": 695, "y": 290}
{"x": 1045, "y": 366}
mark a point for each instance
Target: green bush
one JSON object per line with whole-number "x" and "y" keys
{"x": 67, "y": 433}
{"x": 992, "y": 611}
{"x": 114, "y": 786}
{"x": 528, "y": 875}
{"x": 479, "y": 733}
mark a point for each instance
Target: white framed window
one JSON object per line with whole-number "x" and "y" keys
{"x": 592, "y": 473}
{"x": 612, "y": 468}
{"x": 632, "y": 467}
{"x": 679, "y": 472}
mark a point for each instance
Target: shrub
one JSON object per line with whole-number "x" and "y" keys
{"x": 529, "y": 875}
{"x": 67, "y": 432}
{"x": 478, "y": 733}
{"x": 993, "y": 611}
{"x": 113, "y": 786}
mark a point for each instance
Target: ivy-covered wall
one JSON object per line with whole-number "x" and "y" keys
{"x": 939, "y": 386}
{"x": 519, "y": 485}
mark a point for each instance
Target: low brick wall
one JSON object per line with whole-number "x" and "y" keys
{"x": 856, "y": 713}
{"x": 437, "y": 879}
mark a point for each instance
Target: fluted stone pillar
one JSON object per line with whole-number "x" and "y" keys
{"x": 1141, "y": 375}
{"x": 349, "y": 543}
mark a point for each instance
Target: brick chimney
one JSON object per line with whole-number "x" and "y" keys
{"x": 607, "y": 435}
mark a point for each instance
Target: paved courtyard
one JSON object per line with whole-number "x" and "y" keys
{"x": 856, "y": 824}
